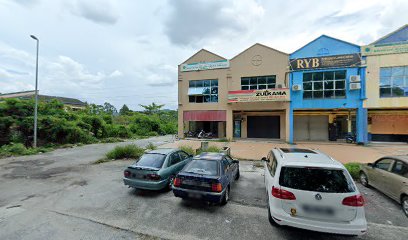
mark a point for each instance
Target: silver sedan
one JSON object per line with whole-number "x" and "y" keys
{"x": 390, "y": 176}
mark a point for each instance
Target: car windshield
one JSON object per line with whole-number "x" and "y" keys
{"x": 204, "y": 167}
{"x": 315, "y": 179}
{"x": 151, "y": 160}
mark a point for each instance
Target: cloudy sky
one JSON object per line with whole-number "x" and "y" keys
{"x": 127, "y": 51}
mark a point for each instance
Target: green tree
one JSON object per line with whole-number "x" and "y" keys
{"x": 124, "y": 110}
{"x": 152, "y": 108}
{"x": 109, "y": 108}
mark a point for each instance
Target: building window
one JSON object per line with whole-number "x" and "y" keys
{"x": 203, "y": 91}
{"x": 394, "y": 81}
{"x": 255, "y": 83}
{"x": 318, "y": 85}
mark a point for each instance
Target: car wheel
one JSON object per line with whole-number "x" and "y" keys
{"x": 237, "y": 175}
{"x": 404, "y": 205}
{"x": 270, "y": 218}
{"x": 364, "y": 179}
{"x": 225, "y": 198}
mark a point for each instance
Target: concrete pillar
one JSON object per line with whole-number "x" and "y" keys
{"x": 349, "y": 122}
{"x": 180, "y": 131}
{"x": 289, "y": 124}
{"x": 221, "y": 129}
{"x": 230, "y": 124}
{"x": 244, "y": 124}
{"x": 361, "y": 125}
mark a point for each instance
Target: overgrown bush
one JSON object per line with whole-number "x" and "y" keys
{"x": 17, "y": 149}
{"x": 128, "y": 151}
{"x": 59, "y": 125}
{"x": 353, "y": 169}
{"x": 187, "y": 149}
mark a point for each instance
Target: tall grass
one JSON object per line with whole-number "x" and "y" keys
{"x": 187, "y": 149}
{"x": 353, "y": 169}
{"x": 151, "y": 146}
{"x": 131, "y": 151}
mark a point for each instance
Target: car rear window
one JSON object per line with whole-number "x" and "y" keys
{"x": 152, "y": 160}
{"x": 204, "y": 167}
{"x": 315, "y": 179}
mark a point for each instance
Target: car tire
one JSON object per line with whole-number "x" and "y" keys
{"x": 225, "y": 197}
{"x": 364, "y": 179}
{"x": 270, "y": 218}
{"x": 237, "y": 175}
{"x": 404, "y": 205}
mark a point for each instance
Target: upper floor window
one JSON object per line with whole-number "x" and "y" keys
{"x": 394, "y": 81}
{"x": 330, "y": 84}
{"x": 255, "y": 83}
{"x": 203, "y": 91}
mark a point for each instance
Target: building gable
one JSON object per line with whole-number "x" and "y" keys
{"x": 256, "y": 48}
{"x": 325, "y": 46}
{"x": 398, "y": 36}
{"x": 203, "y": 56}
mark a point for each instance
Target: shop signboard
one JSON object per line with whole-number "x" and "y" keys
{"x": 199, "y": 66}
{"x": 345, "y": 60}
{"x": 384, "y": 49}
{"x": 264, "y": 95}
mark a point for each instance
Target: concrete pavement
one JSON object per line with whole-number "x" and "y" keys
{"x": 343, "y": 152}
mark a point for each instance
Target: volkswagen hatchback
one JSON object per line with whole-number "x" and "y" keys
{"x": 310, "y": 190}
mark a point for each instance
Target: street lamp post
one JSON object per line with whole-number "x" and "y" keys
{"x": 36, "y": 93}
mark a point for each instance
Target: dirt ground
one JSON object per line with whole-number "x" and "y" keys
{"x": 343, "y": 152}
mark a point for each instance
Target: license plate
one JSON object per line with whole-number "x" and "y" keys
{"x": 194, "y": 195}
{"x": 318, "y": 210}
{"x": 196, "y": 183}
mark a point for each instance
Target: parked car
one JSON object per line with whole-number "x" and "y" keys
{"x": 208, "y": 177}
{"x": 390, "y": 176}
{"x": 310, "y": 190}
{"x": 156, "y": 169}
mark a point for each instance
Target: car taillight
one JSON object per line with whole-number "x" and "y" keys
{"x": 354, "y": 201}
{"x": 216, "y": 187}
{"x": 177, "y": 182}
{"x": 282, "y": 194}
{"x": 126, "y": 173}
{"x": 153, "y": 177}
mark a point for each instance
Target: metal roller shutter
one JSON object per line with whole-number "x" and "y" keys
{"x": 263, "y": 126}
{"x": 311, "y": 128}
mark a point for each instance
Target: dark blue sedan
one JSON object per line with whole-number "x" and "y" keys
{"x": 208, "y": 177}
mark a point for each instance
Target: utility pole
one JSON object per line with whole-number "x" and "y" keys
{"x": 36, "y": 92}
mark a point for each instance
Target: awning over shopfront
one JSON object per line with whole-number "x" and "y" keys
{"x": 211, "y": 115}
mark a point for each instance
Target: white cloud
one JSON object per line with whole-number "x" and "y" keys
{"x": 98, "y": 11}
{"x": 192, "y": 22}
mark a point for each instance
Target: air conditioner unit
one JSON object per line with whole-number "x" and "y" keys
{"x": 355, "y": 78}
{"x": 296, "y": 87}
{"x": 355, "y": 86}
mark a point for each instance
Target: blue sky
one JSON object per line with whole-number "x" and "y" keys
{"x": 128, "y": 51}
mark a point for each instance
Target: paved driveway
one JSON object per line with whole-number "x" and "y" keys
{"x": 60, "y": 195}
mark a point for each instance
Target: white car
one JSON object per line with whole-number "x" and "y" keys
{"x": 308, "y": 189}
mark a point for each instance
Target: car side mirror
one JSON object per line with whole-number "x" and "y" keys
{"x": 264, "y": 159}
{"x": 370, "y": 165}
{"x": 235, "y": 161}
